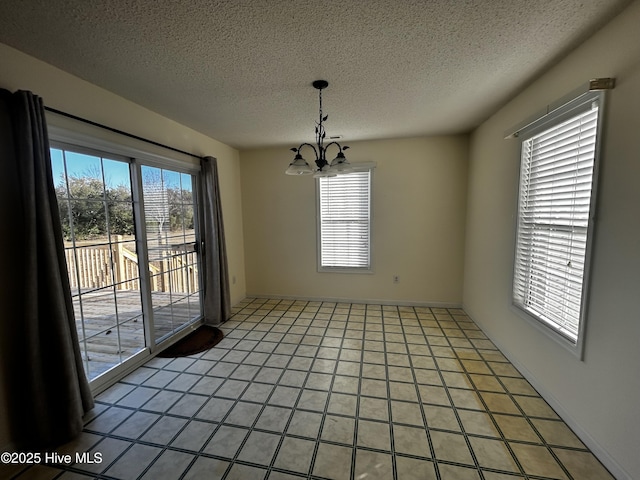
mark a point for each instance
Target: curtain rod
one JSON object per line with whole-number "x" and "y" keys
{"x": 120, "y": 132}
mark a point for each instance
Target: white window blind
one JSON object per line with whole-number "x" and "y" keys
{"x": 344, "y": 220}
{"x": 555, "y": 198}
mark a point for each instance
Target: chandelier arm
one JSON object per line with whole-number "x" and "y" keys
{"x": 335, "y": 143}
{"x": 310, "y": 145}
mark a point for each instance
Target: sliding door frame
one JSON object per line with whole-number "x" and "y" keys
{"x": 74, "y": 138}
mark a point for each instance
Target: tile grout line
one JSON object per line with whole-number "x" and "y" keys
{"x": 491, "y": 415}
{"x": 487, "y": 411}
{"x": 419, "y": 396}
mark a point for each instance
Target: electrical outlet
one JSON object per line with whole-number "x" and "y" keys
{"x": 396, "y": 279}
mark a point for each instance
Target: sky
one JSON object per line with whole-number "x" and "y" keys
{"x": 78, "y": 164}
{"x": 116, "y": 173}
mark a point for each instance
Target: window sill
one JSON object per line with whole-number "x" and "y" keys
{"x": 362, "y": 270}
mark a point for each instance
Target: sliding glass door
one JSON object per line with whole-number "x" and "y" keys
{"x": 170, "y": 223}
{"x": 131, "y": 253}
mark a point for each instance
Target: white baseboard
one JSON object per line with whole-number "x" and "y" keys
{"x": 368, "y": 301}
{"x": 601, "y": 453}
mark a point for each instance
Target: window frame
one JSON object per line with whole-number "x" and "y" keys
{"x": 570, "y": 107}
{"x": 363, "y": 167}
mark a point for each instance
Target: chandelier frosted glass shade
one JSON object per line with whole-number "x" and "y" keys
{"x": 299, "y": 166}
{"x": 340, "y": 164}
{"x": 325, "y": 171}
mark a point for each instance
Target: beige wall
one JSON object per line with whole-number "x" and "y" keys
{"x": 598, "y": 396}
{"x": 71, "y": 94}
{"x": 418, "y": 212}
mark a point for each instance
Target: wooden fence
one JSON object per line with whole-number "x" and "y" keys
{"x": 99, "y": 266}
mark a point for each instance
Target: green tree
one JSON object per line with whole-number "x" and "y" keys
{"x": 180, "y": 209}
{"x": 120, "y": 210}
{"x": 87, "y": 205}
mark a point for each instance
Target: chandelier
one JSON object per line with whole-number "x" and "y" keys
{"x": 338, "y": 165}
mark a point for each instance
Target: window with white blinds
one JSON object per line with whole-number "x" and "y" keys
{"x": 344, "y": 217}
{"x": 554, "y": 210}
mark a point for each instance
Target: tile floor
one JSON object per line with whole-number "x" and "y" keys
{"x": 330, "y": 391}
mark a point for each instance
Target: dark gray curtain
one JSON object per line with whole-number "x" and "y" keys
{"x": 216, "y": 279}
{"x": 45, "y": 387}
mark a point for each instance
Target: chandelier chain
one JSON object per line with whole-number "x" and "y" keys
{"x": 320, "y": 129}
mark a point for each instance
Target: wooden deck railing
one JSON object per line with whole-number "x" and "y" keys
{"x": 103, "y": 265}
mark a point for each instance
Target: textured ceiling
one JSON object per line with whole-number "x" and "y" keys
{"x": 241, "y": 71}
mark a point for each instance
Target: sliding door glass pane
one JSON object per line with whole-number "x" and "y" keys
{"x": 96, "y": 210}
{"x": 169, "y": 206}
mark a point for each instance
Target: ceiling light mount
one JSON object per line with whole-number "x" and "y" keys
{"x": 320, "y": 84}
{"x": 338, "y": 165}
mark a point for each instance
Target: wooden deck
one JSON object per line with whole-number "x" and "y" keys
{"x": 113, "y": 327}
